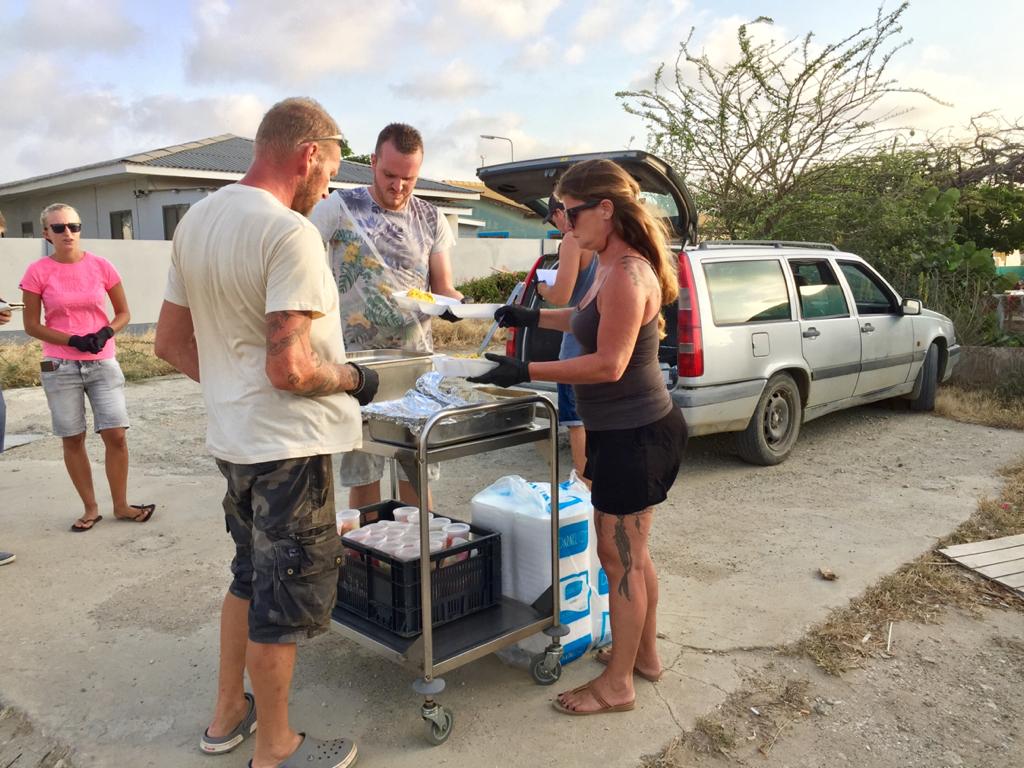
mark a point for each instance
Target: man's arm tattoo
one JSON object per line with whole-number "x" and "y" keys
{"x": 285, "y": 329}
{"x": 622, "y": 544}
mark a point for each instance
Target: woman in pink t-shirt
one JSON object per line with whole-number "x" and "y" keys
{"x": 72, "y": 286}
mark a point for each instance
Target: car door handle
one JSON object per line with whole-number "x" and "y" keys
{"x": 811, "y": 333}
{"x": 867, "y": 328}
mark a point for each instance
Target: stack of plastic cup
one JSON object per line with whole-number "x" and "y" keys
{"x": 456, "y": 530}
{"x": 401, "y": 514}
{"x": 438, "y": 523}
{"x": 347, "y": 520}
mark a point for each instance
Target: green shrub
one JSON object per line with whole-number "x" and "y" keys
{"x": 493, "y": 289}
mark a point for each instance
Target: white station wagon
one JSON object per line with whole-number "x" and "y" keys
{"x": 764, "y": 335}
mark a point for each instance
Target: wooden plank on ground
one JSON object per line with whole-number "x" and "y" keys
{"x": 957, "y": 551}
{"x": 992, "y": 558}
{"x": 1016, "y": 581}
{"x": 1002, "y": 569}
{"x": 1001, "y": 560}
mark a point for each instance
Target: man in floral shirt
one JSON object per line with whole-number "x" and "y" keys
{"x": 381, "y": 239}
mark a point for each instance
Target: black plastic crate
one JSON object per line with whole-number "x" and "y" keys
{"x": 386, "y": 591}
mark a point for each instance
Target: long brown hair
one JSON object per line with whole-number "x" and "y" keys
{"x": 606, "y": 180}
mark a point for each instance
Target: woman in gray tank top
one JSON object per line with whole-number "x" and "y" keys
{"x": 635, "y": 434}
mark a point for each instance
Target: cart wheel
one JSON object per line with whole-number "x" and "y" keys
{"x": 438, "y": 733}
{"x": 542, "y": 671}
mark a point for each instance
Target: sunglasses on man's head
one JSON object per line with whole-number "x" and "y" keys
{"x": 336, "y": 137}
{"x": 59, "y": 228}
{"x": 572, "y": 213}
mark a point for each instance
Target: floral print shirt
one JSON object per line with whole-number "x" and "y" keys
{"x": 374, "y": 252}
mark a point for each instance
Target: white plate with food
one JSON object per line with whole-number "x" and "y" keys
{"x": 415, "y": 300}
{"x": 449, "y": 365}
{"x": 475, "y": 311}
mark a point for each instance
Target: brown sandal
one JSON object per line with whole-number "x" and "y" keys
{"x": 604, "y": 706}
{"x": 603, "y": 655}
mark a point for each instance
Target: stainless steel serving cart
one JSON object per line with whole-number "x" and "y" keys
{"x": 454, "y": 433}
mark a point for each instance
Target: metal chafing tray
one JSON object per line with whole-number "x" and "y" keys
{"x": 397, "y": 369}
{"x": 454, "y": 428}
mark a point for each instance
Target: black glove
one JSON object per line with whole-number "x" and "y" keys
{"x": 103, "y": 335}
{"x": 510, "y": 371}
{"x": 96, "y": 341}
{"x": 452, "y": 317}
{"x": 517, "y": 316}
{"x": 366, "y": 387}
{"x": 82, "y": 343}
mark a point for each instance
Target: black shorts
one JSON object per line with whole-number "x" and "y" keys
{"x": 633, "y": 469}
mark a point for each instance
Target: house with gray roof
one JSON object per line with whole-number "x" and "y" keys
{"x": 143, "y": 196}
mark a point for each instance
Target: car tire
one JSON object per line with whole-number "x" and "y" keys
{"x": 775, "y": 425}
{"x": 929, "y": 381}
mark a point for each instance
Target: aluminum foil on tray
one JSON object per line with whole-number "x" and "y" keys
{"x": 431, "y": 393}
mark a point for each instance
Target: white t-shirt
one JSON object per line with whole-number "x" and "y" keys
{"x": 237, "y": 255}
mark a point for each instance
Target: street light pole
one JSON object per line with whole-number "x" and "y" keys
{"x": 511, "y": 149}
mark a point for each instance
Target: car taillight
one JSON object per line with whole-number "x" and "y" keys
{"x": 691, "y": 344}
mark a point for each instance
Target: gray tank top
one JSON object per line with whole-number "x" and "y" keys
{"x": 640, "y": 397}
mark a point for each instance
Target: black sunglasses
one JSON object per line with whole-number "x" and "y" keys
{"x": 572, "y": 213}
{"x": 59, "y": 228}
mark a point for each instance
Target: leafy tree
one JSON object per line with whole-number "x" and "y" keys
{"x": 753, "y": 131}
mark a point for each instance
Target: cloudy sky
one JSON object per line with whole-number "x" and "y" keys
{"x": 90, "y": 80}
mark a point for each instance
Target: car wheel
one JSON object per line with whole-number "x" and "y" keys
{"x": 775, "y": 425}
{"x": 928, "y": 380}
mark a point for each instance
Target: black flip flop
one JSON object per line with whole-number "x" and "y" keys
{"x": 145, "y": 512}
{"x": 83, "y": 528}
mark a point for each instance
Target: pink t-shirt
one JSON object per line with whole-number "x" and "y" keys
{"x": 74, "y": 300}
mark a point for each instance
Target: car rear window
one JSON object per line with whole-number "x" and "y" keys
{"x": 747, "y": 291}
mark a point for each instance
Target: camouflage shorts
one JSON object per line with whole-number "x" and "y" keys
{"x": 280, "y": 515}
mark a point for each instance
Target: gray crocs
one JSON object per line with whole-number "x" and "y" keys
{"x": 216, "y": 745}
{"x": 314, "y": 753}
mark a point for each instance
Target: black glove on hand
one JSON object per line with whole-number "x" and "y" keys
{"x": 509, "y": 372}
{"x": 367, "y": 385}
{"x": 452, "y": 317}
{"x": 82, "y": 343}
{"x": 517, "y": 316}
{"x": 103, "y": 335}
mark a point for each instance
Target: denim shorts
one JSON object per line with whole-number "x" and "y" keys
{"x": 358, "y": 468}
{"x": 567, "y": 415}
{"x": 67, "y": 387}
{"x": 280, "y": 514}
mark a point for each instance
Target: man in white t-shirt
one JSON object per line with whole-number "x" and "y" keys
{"x": 382, "y": 239}
{"x": 251, "y": 312}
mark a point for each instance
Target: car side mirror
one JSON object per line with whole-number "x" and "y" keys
{"x": 910, "y": 307}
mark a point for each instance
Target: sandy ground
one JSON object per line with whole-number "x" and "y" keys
{"x": 110, "y": 638}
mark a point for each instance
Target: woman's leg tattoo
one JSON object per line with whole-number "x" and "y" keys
{"x": 622, "y": 544}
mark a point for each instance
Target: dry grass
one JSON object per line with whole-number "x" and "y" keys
{"x": 980, "y": 407}
{"x": 464, "y": 335}
{"x": 19, "y": 363}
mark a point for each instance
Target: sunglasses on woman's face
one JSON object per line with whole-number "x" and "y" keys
{"x": 572, "y": 213}
{"x": 59, "y": 228}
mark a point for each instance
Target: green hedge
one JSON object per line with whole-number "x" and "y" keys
{"x": 493, "y": 289}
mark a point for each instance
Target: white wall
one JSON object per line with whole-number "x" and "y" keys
{"x": 143, "y": 266}
{"x": 474, "y": 257}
